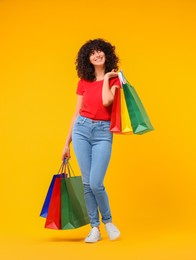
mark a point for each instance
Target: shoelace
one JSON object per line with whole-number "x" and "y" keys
{"x": 92, "y": 233}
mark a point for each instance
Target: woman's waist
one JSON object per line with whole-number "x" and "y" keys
{"x": 92, "y": 120}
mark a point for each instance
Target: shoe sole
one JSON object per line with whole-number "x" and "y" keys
{"x": 93, "y": 241}
{"x": 114, "y": 238}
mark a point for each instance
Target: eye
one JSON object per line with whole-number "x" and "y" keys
{"x": 95, "y": 52}
{"x": 92, "y": 53}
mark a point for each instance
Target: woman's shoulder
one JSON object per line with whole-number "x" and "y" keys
{"x": 85, "y": 82}
{"x": 81, "y": 82}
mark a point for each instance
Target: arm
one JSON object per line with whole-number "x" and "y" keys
{"x": 66, "y": 149}
{"x": 107, "y": 92}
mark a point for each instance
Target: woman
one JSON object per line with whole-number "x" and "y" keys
{"x": 96, "y": 65}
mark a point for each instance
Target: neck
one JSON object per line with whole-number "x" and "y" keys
{"x": 99, "y": 73}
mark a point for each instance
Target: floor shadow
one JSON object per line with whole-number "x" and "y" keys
{"x": 76, "y": 239}
{"x": 64, "y": 239}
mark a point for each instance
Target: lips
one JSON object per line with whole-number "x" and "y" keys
{"x": 98, "y": 59}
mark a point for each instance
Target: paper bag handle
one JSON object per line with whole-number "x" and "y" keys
{"x": 121, "y": 78}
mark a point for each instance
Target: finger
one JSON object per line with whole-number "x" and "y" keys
{"x": 64, "y": 156}
{"x": 68, "y": 155}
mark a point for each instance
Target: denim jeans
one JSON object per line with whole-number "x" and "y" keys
{"x": 92, "y": 143}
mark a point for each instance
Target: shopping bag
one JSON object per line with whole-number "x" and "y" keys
{"x": 65, "y": 207}
{"x": 120, "y": 121}
{"x": 126, "y": 127}
{"x": 45, "y": 206}
{"x": 73, "y": 207}
{"x": 115, "y": 123}
{"x": 138, "y": 116}
{"x": 53, "y": 219}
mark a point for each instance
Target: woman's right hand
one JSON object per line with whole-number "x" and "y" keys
{"x": 66, "y": 153}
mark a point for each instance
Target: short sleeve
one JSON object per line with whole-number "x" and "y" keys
{"x": 80, "y": 88}
{"x": 115, "y": 81}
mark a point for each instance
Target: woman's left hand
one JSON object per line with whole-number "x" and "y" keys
{"x": 111, "y": 74}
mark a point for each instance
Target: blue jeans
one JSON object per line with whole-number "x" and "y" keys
{"x": 92, "y": 143}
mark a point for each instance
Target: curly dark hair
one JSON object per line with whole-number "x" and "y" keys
{"x": 85, "y": 69}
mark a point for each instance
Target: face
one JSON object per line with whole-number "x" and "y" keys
{"x": 97, "y": 58}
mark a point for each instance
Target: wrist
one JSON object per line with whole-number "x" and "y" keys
{"x": 106, "y": 77}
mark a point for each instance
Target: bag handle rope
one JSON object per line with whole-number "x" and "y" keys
{"x": 65, "y": 164}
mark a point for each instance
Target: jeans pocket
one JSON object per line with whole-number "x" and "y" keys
{"x": 105, "y": 127}
{"x": 80, "y": 120}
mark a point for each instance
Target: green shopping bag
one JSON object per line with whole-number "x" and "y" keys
{"x": 73, "y": 207}
{"x": 139, "y": 119}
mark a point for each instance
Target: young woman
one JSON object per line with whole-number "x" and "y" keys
{"x": 96, "y": 65}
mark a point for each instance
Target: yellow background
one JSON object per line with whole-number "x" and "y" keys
{"x": 151, "y": 178}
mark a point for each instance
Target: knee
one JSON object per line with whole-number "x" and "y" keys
{"x": 96, "y": 188}
{"x": 87, "y": 188}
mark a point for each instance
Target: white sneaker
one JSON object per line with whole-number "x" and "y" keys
{"x": 93, "y": 236}
{"x": 112, "y": 231}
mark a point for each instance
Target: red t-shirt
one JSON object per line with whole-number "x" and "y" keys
{"x": 92, "y": 105}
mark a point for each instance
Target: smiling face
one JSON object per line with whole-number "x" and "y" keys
{"x": 97, "y": 58}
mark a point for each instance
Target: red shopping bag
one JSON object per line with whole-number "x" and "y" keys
{"x": 115, "y": 124}
{"x": 53, "y": 219}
